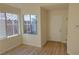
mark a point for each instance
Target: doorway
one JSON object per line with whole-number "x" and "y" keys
{"x": 57, "y": 27}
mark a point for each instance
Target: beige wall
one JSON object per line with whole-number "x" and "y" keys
{"x": 7, "y": 8}
{"x": 35, "y": 40}
{"x": 44, "y": 14}
{"x": 9, "y": 43}
{"x": 73, "y": 29}
{"x": 32, "y": 39}
{"x": 44, "y": 28}
{"x": 40, "y": 38}
{"x": 52, "y": 34}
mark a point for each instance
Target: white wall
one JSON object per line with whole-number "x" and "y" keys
{"x": 44, "y": 18}
{"x": 51, "y": 24}
{"x": 9, "y": 43}
{"x": 32, "y": 39}
{"x": 73, "y": 30}
{"x": 38, "y": 39}
{"x": 43, "y": 27}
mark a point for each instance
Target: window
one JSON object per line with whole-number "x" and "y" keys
{"x": 30, "y": 24}
{"x": 12, "y": 24}
{"x": 8, "y": 24}
{"x": 2, "y": 25}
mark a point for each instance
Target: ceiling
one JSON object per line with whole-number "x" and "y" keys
{"x": 48, "y": 6}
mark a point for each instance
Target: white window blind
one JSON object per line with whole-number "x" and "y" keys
{"x": 2, "y": 25}
{"x": 30, "y": 24}
{"x": 12, "y": 24}
{"x": 8, "y": 24}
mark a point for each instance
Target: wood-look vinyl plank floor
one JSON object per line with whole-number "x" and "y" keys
{"x": 50, "y": 48}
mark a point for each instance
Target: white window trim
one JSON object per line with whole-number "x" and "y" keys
{"x": 13, "y": 35}
{"x": 28, "y": 24}
{"x": 13, "y": 28}
{"x": 2, "y": 38}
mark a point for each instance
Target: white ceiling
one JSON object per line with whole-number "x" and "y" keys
{"x": 48, "y": 6}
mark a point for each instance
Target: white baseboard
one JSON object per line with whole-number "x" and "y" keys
{"x": 58, "y": 41}
{"x": 43, "y": 43}
{"x": 32, "y": 44}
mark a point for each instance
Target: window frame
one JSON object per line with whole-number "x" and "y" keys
{"x": 30, "y": 24}
{"x": 4, "y": 24}
{"x": 18, "y": 24}
{"x": 13, "y": 26}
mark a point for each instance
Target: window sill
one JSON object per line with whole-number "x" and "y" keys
{"x": 12, "y": 35}
{"x": 2, "y": 38}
